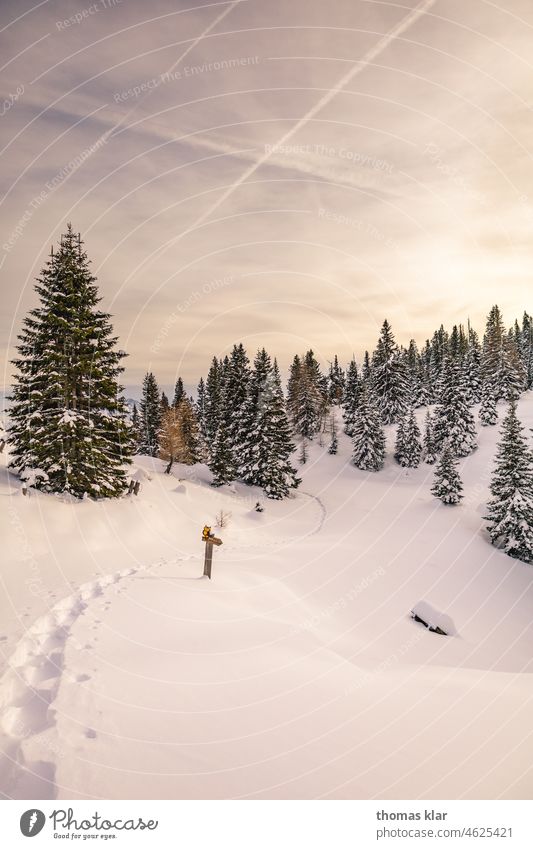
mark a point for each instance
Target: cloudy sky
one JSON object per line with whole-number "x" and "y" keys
{"x": 286, "y": 174}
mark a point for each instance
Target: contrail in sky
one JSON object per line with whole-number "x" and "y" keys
{"x": 359, "y": 66}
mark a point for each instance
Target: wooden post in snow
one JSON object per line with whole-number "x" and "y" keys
{"x": 210, "y": 540}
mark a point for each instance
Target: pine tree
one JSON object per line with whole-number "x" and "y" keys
{"x": 439, "y": 347}
{"x": 488, "y": 414}
{"x": 429, "y": 393}
{"x": 366, "y": 370}
{"x": 266, "y": 446}
{"x": 256, "y": 396}
{"x": 510, "y": 511}
{"x": 417, "y": 385}
{"x": 150, "y": 412}
{"x": 213, "y": 395}
{"x": 447, "y": 483}
{"x": 334, "y": 443}
{"x": 351, "y": 397}
{"x": 234, "y": 400}
{"x": 408, "y": 443}
{"x": 429, "y": 446}
{"x": 293, "y": 383}
{"x": 389, "y": 382}
{"x": 471, "y": 369}
{"x": 69, "y": 429}
{"x": 526, "y": 348}
{"x": 501, "y": 365}
{"x": 200, "y": 407}
{"x": 336, "y": 382}
{"x": 136, "y": 428}
{"x": 368, "y": 437}
{"x": 454, "y": 423}
{"x": 307, "y": 399}
{"x": 275, "y": 473}
{"x": 179, "y": 393}
{"x": 221, "y": 459}
{"x": 165, "y": 404}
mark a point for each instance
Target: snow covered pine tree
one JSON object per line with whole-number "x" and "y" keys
{"x": 389, "y": 378}
{"x": 447, "y": 484}
{"x": 352, "y": 392}
{"x": 408, "y": 442}
{"x": 150, "y": 415}
{"x": 368, "y": 436}
{"x": 266, "y": 436}
{"x": 510, "y": 511}
{"x": 454, "y": 423}
{"x": 69, "y": 423}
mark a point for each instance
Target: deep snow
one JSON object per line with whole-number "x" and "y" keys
{"x": 296, "y": 672}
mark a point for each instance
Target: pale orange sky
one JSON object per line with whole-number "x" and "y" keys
{"x": 302, "y": 171}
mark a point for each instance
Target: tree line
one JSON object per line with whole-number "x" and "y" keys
{"x": 71, "y": 431}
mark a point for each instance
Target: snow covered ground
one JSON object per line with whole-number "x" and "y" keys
{"x": 296, "y": 672}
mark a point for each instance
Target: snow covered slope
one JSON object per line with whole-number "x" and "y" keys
{"x": 296, "y": 672}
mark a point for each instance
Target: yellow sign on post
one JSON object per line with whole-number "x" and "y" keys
{"x": 210, "y": 540}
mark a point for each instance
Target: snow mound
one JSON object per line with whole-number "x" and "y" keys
{"x": 434, "y": 620}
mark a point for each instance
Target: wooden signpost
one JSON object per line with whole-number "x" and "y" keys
{"x": 210, "y": 540}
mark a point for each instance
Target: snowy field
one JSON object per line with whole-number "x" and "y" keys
{"x": 296, "y": 672}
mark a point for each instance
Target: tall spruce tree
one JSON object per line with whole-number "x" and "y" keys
{"x": 69, "y": 429}
{"x": 212, "y": 405}
{"x": 150, "y": 413}
{"x": 501, "y": 365}
{"x": 336, "y": 382}
{"x": 439, "y": 347}
{"x": 368, "y": 436}
{"x": 447, "y": 484}
{"x": 526, "y": 348}
{"x": 250, "y": 449}
{"x": 266, "y": 445}
{"x": 366, "y": 370}
{"x": 234, "y": 399}
{"x": 417, "y": 385}
{"x": 165, "y": 403}
{"x": 307, "y": 395}
{"x": 136, "y": 428}
{"x": 454, "y": 422}
{"x": 351, "y": 397}
{"x": 276, "y": 474}
{"x": 179, "y": 393}
{"x": 200, "y": 407}
{"x": 471, "y": 369}
{"x": 389, "y": 380}
{"x": 510, "y": 511}
{"x": 427, "y": 374}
